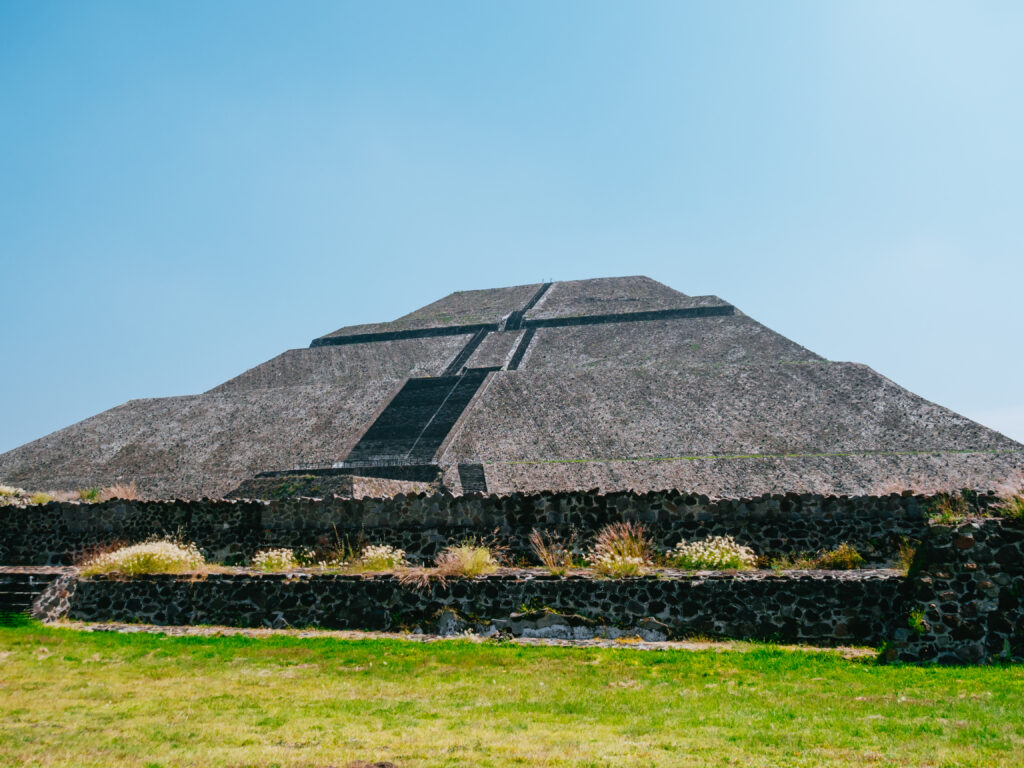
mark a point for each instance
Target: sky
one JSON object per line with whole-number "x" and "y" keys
{"x": 188, "y": 189}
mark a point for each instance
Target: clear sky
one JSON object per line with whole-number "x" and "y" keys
{"x": 189, "y": 188}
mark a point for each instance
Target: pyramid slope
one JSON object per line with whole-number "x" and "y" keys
{"x": 616, "y": 414}
{"x": 608, "y": 294}
{"x": 201, "y": 445}
{"x": 456, "y": 309}
{"x": 354, "y": 362}
{"x": 610, "y": 383}
{"x": 661, "y": 343}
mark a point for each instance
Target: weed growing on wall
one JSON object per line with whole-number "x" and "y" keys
{"x": 948, "y": 508}
{"x": 160, "y": 556}
{"x": 916, "y": 621}
{"x": 715, "y": 553}
{"x": 906, "y": 556}
{"x": 842, "y": 558}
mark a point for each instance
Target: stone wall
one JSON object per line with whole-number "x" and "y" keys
{"x": 820, "y": 607}
{"x": 967, "y": 598}
{"x": 232, "y": 531}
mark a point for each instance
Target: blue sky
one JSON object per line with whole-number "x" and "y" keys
{"x": 189, "y": 188}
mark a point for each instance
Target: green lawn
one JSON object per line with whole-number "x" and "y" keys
{"x": 100, "y": 699}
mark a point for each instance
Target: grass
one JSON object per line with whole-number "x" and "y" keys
{"x": 843, "y": 558}
{"x": 97, "y": 699}
{"x": 949, "y": 508}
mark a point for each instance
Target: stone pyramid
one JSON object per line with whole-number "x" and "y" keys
{"x": 616, "y": 383}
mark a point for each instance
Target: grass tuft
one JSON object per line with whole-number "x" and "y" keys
{"x": 621, "y": 549}
{"x": 467, "y": 560}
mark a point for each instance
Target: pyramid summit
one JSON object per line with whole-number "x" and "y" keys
{"x": 612, "y": 383}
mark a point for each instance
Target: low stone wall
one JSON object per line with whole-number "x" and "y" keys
{"x": 963, "y": 601}
{"x": 819, "y": 607}
{"x": 232, "y": 530}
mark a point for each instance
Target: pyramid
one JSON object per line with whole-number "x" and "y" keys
{"x": 613, "y": 384}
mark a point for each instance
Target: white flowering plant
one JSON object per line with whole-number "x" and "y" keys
{"x": 380, "y": 557}
{"x": 275, "y": 560}
{"x": 160, "y": 556}
{"x": 715, "y": 553}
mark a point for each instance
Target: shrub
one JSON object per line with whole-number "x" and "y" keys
{"x": 842, "y": 558}
{"x": 10, "y": 495}
{"x": 40, "y": 498}
{"x": 124, "y": 491}
{"x": 89, "y": 494}
{"x": 551, "y": 551}
{"x": 467, "y": 559}
{"x": 160, "y": 556}
{"x": 621, "y": 549}
{"x": 715, "y": 553}
{"x": 274, "y": 560}
{"x": 1012, "y": 507}
{"x": 380, "y": 557}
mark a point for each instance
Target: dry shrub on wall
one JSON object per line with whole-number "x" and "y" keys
{"x": 123, "y": 491}
{"x": 553, "y": 553}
